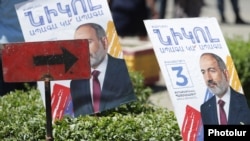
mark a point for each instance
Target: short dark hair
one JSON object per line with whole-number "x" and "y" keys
{"x": 100, "y": 32}
{"x": 219, "y": 60}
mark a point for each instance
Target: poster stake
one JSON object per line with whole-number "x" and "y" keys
{"x": 49, "y": 136}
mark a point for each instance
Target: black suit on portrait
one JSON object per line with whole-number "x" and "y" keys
{"x": 239, "y": 111}
{"x": 117, "y": 89}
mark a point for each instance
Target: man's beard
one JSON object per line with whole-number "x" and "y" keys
{"x": 219, "y": 88}
{"x": 97, "y": 57}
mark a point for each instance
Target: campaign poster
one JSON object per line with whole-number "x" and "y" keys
{"x": 60, "y": 20}
{"x": 178, "y": 45}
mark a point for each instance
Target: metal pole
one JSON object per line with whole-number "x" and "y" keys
{"x": 49, "y": 135}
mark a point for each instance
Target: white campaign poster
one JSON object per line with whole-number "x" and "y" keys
{"x": 178, "y": 45}
{"x": 57, "y": 20}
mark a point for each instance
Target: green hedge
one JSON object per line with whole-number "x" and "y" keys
{"x": 240, "y": 52}
{"x": 23, "y": 117}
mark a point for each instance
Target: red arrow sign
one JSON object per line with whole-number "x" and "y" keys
{"x": 59, "y": 60}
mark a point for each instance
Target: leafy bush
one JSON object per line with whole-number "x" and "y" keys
{"x": 240, "y": 50}
{"x": 23, "y": 117}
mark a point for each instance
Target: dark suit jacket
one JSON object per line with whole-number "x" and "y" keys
{"x": 117, "y": 89}
{"x": 239, "y": 111}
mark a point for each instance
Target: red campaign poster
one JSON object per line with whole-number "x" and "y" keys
{"x": 60, "y": 101}
{"x": 191, "y": 124}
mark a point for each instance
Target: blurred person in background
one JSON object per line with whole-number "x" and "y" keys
{"x": 162, "y": 6}
{"x": 187, "y": 8}
{"x": 128, "y": 16}
{"x": 236, "y": 10}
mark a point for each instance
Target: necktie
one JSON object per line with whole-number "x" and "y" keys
{"x": 223, "y": 117}
{"x": 96, "y": 91}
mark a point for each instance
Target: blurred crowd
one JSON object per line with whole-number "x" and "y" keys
{"x": 128, "y": 16}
